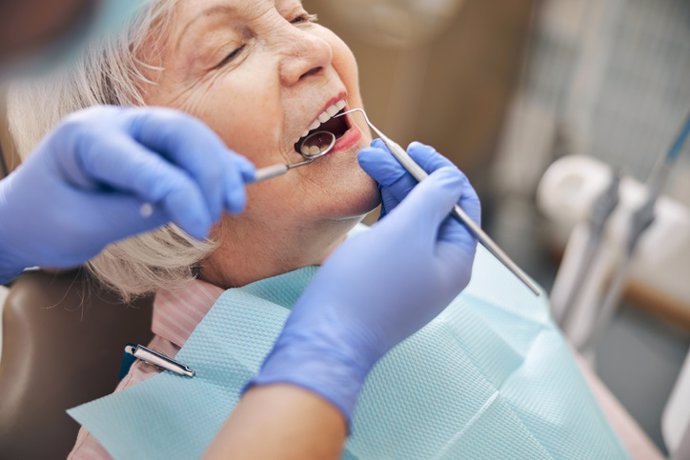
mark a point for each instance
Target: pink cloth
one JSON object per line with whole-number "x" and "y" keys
{"x": 175, "y": 315}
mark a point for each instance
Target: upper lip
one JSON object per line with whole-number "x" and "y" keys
{"x": 342, "y": 96}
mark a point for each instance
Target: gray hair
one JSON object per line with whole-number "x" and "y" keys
{"x": 111, "y": 71}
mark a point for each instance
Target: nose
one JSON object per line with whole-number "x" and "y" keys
{"x": 305, "y": 55}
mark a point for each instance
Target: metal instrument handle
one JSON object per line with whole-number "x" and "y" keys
{"x": 418, "y": 173}
{"x": 270, "y": 172}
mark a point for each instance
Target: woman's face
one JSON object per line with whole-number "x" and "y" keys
{"x": 260, "y": 73}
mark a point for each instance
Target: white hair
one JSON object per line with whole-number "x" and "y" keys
{"x": 111, "y": 71}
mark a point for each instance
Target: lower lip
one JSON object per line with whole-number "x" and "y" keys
{"x": 348, "y": 140}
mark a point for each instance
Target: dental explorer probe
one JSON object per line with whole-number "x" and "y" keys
{"x": 418, "y": 173}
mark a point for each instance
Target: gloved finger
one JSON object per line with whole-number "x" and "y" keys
{"x": 235, "y": 193}
{"x": 430, "y": 160}
{"x": 394, "y": 182}
{"x": 424, "y": 155}
{"x": 194, "y": 147}
{"x": 427, "y": 157}
{"x": 428, "y": 205}
{"x": 122, "y": 164}
{"x": 120, "y": 216}
{"x": 386, "y": 170}
{"x": 246, "y": 167}
{"x": 453, "y": 231}
{"x": 381, "y": 166}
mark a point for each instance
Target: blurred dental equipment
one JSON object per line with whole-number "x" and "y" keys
{"x": 583, "y": 247}
{"x": 418, "y": 173}
{"x": 313, "y": 147}
{"x": 675, "y": 422}
{"x": 613, "y": 240}
{"x": 642, "y": 218}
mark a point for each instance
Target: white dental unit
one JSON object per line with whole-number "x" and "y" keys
{"x": 621, "y": 231}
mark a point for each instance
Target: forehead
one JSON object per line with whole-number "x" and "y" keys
{"x": 193, "y": 15}
{"x": 188, "y": 9}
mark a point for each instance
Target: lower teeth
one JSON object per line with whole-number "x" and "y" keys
{"x": 310, "y": 150}
{"x": 316, "y": 143}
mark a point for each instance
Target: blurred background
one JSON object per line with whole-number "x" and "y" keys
{"x": 507, "y": 88}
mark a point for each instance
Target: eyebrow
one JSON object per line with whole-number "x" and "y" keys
{"x": 207, "y": 13}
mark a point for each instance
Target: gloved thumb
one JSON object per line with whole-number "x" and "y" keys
{"x": 430, "y": 203}
{"x": 381, "y": 166}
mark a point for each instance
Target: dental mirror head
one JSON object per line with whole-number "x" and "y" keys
{"x": 317, "y": 145}
{"x": 313, "y": 147}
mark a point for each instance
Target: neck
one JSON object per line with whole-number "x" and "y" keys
{"x": 248, "y": 253}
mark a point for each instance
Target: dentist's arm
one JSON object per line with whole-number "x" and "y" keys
{"x": 374, "y": 291}
{"x": 85, "y": 185}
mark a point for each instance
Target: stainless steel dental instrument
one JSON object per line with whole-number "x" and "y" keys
{"x": 326, "y": 141}
{"x": 418, "y": 173}
{"x": 278, "y": 170}
{"x": 158, "y": 359}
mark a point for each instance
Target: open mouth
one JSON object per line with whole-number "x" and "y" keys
{"x": 326, "y": 122}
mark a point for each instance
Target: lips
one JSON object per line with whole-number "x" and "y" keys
{"x": 348, "y": 140}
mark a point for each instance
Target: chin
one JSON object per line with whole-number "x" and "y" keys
{"x": 341, "y": 190}
{"x": 353, "y": 199}
{"x": 365, "y": 202}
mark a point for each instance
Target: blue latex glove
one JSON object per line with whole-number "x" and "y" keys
{"x": 381, "y": 286}
{"x": 85, "y": 185}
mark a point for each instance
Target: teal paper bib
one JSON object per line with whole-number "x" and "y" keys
{"x": 491, "y": 377}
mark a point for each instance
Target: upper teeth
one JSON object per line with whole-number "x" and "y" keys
{"x": 326, "y": 115}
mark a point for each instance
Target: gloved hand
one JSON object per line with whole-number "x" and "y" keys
{"x": 381, "y": 286}
{"x": 85, "y": 185}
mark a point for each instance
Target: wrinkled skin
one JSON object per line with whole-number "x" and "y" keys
{"x": 259, "y": 73}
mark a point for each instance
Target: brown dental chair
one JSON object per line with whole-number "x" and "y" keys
{"x": 63, "y": 340}
{"x": 62, "y": 344}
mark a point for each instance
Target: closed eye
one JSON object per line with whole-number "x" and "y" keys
{"x": 304, "y": 18}
{"x": 230, "y": 57}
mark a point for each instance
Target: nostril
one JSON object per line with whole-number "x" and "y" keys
{"x": 312, "y": 72}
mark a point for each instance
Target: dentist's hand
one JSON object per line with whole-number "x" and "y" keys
{"x": 85, "y": 185}
{"x": 381, "y": 286}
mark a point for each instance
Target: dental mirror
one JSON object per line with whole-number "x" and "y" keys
{"x": 313, "y": 147}
{"x": 317, "y": 145}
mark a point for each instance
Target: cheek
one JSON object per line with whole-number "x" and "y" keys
{"x": 345, "y": 65}
{"x": 243, "y": 107}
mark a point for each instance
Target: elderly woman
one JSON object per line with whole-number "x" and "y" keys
{"x": 262, "y": 75}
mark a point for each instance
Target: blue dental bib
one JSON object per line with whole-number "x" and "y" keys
{"x": 491, "y": 377}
